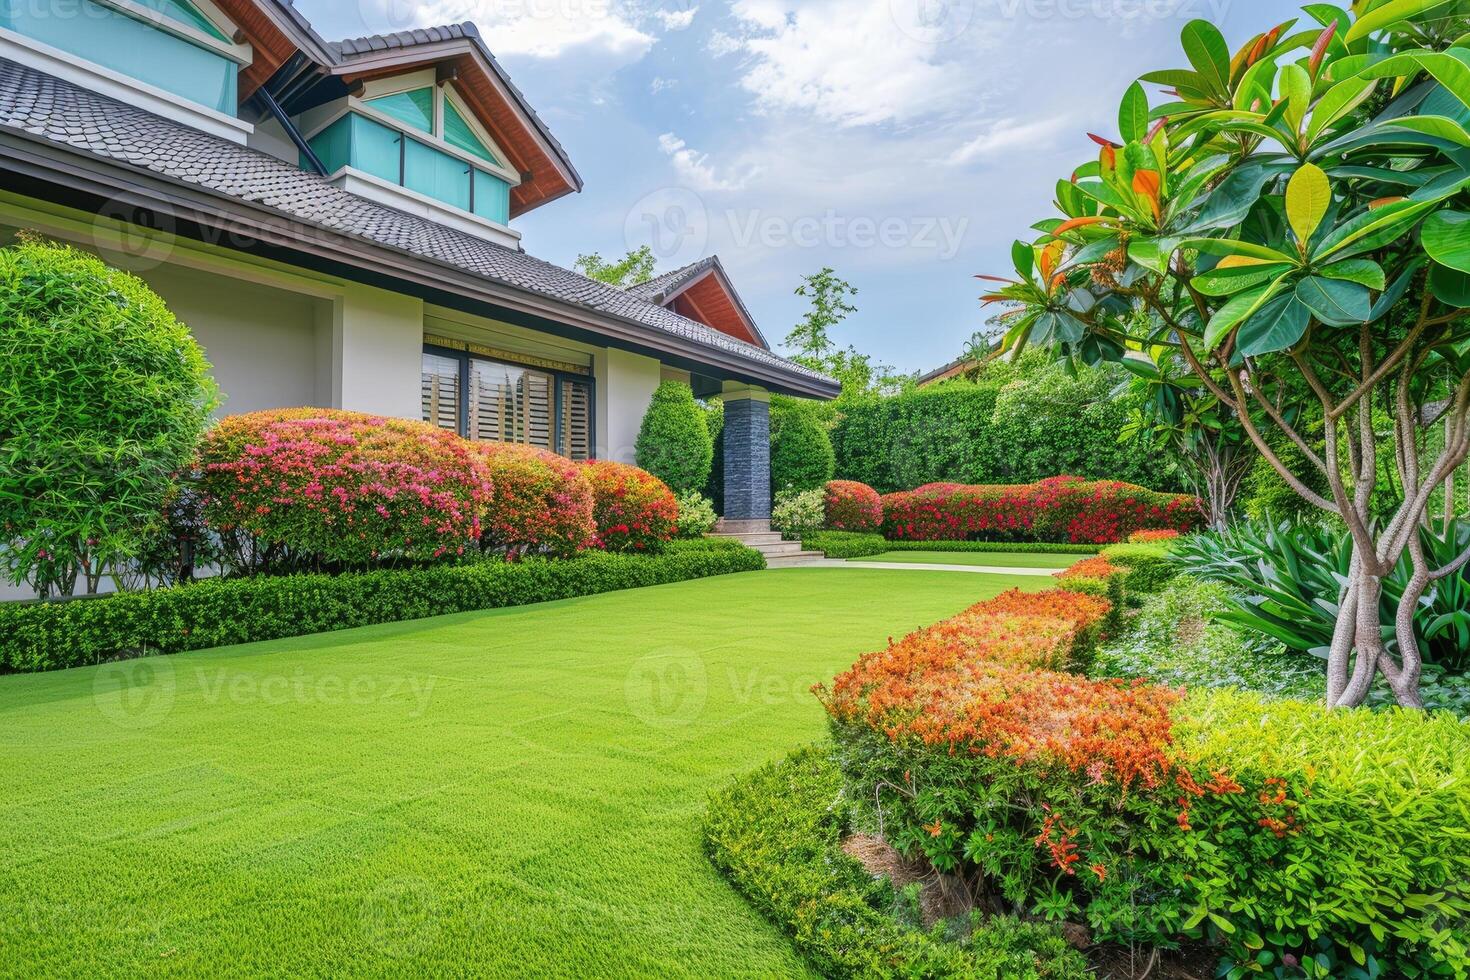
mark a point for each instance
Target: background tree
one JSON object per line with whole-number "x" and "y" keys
{"x": 674, "y": 441}
{"x": 630, "y": 270}
{"x": 801, "y": 450}
{"x": 103, "y": 396}
{"x": 810, "y": 341}
{"x": 1297, "y": 214}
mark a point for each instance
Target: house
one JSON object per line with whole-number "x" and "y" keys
{"x": 336, "y": 223}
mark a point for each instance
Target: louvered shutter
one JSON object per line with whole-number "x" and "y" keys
{"x": 576, "y": 421}
{"x": 440, "y": 392}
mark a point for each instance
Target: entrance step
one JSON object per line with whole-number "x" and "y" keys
{"x": 779, "y": 553}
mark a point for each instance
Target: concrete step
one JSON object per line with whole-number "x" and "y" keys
{"x": 752, "y": 538}
{"x": 793, "y": 559}
{"x": 778, "y": 548}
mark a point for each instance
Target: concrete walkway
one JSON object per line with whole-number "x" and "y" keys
{"x": 924, "y": 566}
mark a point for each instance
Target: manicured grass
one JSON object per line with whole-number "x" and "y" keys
{"x": 994, "y": 559}
{"x": 507, "y": 792}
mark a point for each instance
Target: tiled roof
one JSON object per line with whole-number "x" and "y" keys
{"x": 401, "y": 39}
{"x": 47, "y": 108}
{"x": 657, "y": 289}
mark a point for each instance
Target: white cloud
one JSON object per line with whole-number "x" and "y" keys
{"x": 851, "y": 62}
{"x": 544, "y": 28}
{"x": 721, "y": 44}
{"x": 660, "y": 84}
{"x": 676, "y": 20}
{"x": 1009, "y": 135}
{"x": 694, "y": 170}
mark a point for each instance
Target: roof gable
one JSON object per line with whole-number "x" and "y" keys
{"x": 702, "y": 291}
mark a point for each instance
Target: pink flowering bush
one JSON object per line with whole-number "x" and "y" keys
{"x": 542, "y": 503}
{"x": 633, "y": 509}
{"x": 852, "y": 506}
{"x": 309, "y": 486}
{"x": 1062, "y": 508}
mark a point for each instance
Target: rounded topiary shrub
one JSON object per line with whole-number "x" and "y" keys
{"x": 852, "y": 506}
{"x": 308, "y": 486}
{"x": 633, "y": 509}
{"x": 674, "y": 441}
{"x": 542, "y": 502}
{"x": 105, "y": 394}
{"x": 801, "y": 452}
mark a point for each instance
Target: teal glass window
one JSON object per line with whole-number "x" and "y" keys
{"x": 492, "y": 197}
{"x": 135, "y": 48}
{"x": 436, "y": 174}
{"x": 457, "y": 133}
{"x": 414, "y": 109}
{"x": 184, "y": 13}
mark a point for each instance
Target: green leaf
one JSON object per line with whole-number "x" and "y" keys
{"x": 1448, "y": 70}
{"x": 1234, "y": 246}
{"x": 1308, "y": 195}
{"x": 1276, "y": 326}
{"x": 1446, "y": 237}
{"x": 1337, "y": 102}
{"x": 1372, "y": 229}
{"x": 1225, "y": 282}
{"x": 1133, "y": 114}
{"x": 1364, "y": 271}
{"x": 1296, "y": 89}
{"x": 1230, "y": 201}
{"x": 1334, "y": 301}
{"x": 1236, "y": 309}
{"x": 1450, "y": 286}
{"x": 1207, "y": 51}
{"x": 1441, "y": 127}
{"x": 1152, "y": 253}
{"x": 1023, "y": 256}
{"x": 1386, "y": 15}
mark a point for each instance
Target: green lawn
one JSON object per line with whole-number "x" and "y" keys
{"x": 507, "y": 792}
{"x": 994, "y": 559}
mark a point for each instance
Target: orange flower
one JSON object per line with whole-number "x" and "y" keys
{"x": 1100, "y": 871}
{"x": 935, "y": 829}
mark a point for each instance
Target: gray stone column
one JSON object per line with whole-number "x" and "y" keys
{"x": 747, "y": 456}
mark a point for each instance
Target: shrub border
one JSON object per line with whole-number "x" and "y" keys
{"x": 43, "y": 635}
{"x": 857, "y": 544}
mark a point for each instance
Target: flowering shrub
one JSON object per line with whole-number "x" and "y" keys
{"x": 542, "y": 502}
{"x": 1063, "y": 508}
{"x": 697, "y": 515}
{"x": 633, "y": 509}
{"x": 1095, "y": 569}
{"x": 1149, "y": 815}
{"x": 310, "y": 485}
{"x": 852, "y": 506}
{"x": 1156, "y": 534}
{"x": 796, "y": 513}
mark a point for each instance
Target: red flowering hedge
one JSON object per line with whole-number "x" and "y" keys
{"x": 542, "y": 502}
{"x": 1149, "y": 815}
{"x": 324, "y": 485}
{"x": 852, "y": 506}
{"x": 1061, "y": 509}
{"x": 632, "y": 509}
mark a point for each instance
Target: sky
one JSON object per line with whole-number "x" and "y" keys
{"x": 904, "y": 143}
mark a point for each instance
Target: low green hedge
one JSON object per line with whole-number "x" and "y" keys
{"x": 777, "y": 834}
{"x": 848, "y": 544}
{"x": 844, "y": 544}
{"x": 1150, "y": 565}
{"x": 41, "y": 635}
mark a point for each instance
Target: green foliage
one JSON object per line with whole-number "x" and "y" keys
{"x": 1149, "y": 565}
{"x": 1176, "y": 639}
{"x": 1015, "y": 423}
{"x": 777, "y": 834}
{"x": 103, "y": 395}
{"x": 674, "y": 443}
{"x": 797, "y": 513}
{"x": 845, "y": 544}
{"x": 829, "y": 294}
{"x": 1288, "y": 580}
{"x": 801, "y": 452}
{"x": 69, "y": 633}
{"x": 697, "y": 515}
{"x": 1033, "y": 547}
{"x": 630, "y": 270}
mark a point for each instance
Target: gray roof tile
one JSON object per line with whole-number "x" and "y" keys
{"x": 63, "y": 113}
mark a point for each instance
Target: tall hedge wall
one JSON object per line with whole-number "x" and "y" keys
{"x": 1011, "y": 427}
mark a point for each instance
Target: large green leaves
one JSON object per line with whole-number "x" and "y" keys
{"x": 1206, "y": 50}
{"x": 1335, "y": 301}
{"x": 1447, "y": 69}
{"x": 1277, "y": 325}
{"x": 1133, "y": 114}
{"x": 1308, "y": 196}
{"x": 1388, "y": 14}
{"x": 1446, "y": 237}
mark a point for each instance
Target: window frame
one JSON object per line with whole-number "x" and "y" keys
{"x": 463, "y": 358}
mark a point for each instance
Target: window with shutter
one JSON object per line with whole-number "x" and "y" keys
{"x": 441, "y": 392}
{"x": 497, "y": 402}
{"x": 576, "y": 420}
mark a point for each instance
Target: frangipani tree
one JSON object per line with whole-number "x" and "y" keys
{"x": 1294, "y": 225}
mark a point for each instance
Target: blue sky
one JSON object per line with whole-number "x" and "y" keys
{"x": 905, "y": 143}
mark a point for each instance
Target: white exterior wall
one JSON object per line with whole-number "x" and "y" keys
{"x": 373, "y": 344}
{"x": 625, "y": 384}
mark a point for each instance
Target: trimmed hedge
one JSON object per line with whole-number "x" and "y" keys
{"x": 542, "y": 502}
{"x": 1063, "y": 508}
{"x": 39, "y": 635}
{"x": 846, "y": 544}
{"x": 801, "y": 452}
{"x": 852, "y": 506}
{"x": 1282, "y": 831}
{"x": 1148, "y": 565}
{"x": 777, "y": 834}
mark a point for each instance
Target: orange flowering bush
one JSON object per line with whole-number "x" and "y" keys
{"x": 542, "y": 503}
{"x": 852, "y": 506}
{"x": 310, "y": 486}
{"x": 1155, "y": 534}
{"x": 1095, "y": 569}
{"x": 632, "y": 509}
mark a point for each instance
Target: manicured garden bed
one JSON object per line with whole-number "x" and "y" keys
{"x": 507, "y": 792}
{"x": 993, "y": 559}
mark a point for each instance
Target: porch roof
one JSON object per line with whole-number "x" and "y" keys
{"x": 55, "y": 134}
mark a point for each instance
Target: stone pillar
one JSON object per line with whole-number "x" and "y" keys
{"x": 747, "y": 458}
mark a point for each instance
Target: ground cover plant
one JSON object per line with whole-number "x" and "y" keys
{"x": 1289, "y": 227}
{"x": 496, "y": 793}
{"x": 105, "y": 395}
{"x": 1061, "y": 509}
{"x": 1149, "y": 815}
